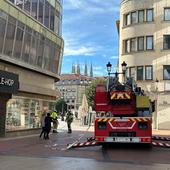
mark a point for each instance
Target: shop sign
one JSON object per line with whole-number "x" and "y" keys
{"x": 8, "y": 82}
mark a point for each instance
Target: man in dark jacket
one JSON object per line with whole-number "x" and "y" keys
{"x": 69, "y": 120}
{"x": 48, "y": 121}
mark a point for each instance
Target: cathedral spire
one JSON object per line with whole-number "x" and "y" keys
{"x": 78, "y": 68}
{"x": 73, "y": 69}
{"x": 91, "y": 70}
{"x": 85, "y": 70}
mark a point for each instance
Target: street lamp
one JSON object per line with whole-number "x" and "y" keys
{"x": 156, "y": 104}
{"x": 109, "y": 67}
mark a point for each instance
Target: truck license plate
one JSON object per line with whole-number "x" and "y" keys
{"x": 122, "y": 140}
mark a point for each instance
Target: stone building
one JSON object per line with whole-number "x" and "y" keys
{"x": 144, "y": 44}
{"x": 31, "y": 49}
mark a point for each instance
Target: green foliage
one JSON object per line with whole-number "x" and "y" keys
{"x": 90, "y": 90}
{"x": 61, "y": 104}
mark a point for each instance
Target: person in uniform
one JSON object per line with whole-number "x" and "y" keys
{"x": 69, "y": 120}
{"x": 55, "y": 121}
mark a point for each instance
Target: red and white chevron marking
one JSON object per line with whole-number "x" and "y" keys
{"x": 160, "y": 138}
{"x": 85, "y": 144}
{"x": 165, "y": 145}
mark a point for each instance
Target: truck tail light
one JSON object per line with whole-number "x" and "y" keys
{"x": 146, "y": 140}
{"x": 100, "y": 139}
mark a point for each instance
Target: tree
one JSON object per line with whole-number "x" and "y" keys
{"x": 61, "y": 106}
{"x": 90, "y": 90}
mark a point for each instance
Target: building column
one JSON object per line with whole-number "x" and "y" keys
{"x": 3, "y": 102}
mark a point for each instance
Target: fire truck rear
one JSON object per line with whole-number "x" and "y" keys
{"x": 123, "y": 113}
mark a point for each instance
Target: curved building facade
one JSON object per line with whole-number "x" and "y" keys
{"x": 145, "y": 47}
{"x": 31, "y": 48}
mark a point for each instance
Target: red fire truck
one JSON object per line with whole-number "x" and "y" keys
{"x": 123, "y": 113}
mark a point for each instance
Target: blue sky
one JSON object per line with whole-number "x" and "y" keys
{"x": 90, "y": 34}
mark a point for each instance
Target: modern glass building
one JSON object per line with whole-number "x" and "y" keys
{"x": 31, "y": 48}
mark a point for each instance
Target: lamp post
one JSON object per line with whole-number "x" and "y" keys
{"x": 62, "y": 116}
{"x": 109, "y": 68}
{"x": 156, "y": 104}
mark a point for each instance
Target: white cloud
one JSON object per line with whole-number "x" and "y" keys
{"x": 92, "y": 6}
{"x": 86, "y": 51}
{"x": 114, "y": 57}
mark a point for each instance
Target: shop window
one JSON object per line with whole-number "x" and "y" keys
{"x": 149, "y": 43}
{"x": 166, "y": 42}
{"x": 167, "y": 14}
{"x": 148, "y": 73}
{"x": 133, "y": 17}
{"x": 141, "y": 16}
{"x": 149, "y": 15}
{"x": 140, "y": 73}
{"x": 166, "y": 72}
{"x": 140, "y": 43}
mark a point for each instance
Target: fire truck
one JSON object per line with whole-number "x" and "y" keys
{"x": 123, "y": 113}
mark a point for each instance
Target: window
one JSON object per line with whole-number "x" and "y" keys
{"x": 41, "y": 11}
{"x": 148, "y": 73}
{"x": 127, "y": 46}
{"x": 127, "y": 19}
{"x": 46, "y": 16}
{"x": 18, "y": 42}
{"x": 34, "y": 8}
{"x": 10, "y": 36}
{"x": 141, "y": 16}
{"x": 133, "y": 17}
{"x": 149, "y": 15}
{"x": 166, "y": 72}
{"x": 132, "y": 72}
{"x": 149, "y": 43}
{"x": 166, "y": 42}
{"x": 133, "y": 44}
{"x": 27, "y": 6}
{"x": 140, "y": 73}
{"x": 2, "y": 32}
{"x": 140, "y": 43}
{"x": 167, "y": 14}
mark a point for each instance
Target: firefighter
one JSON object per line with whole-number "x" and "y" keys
{"x": 69, "y": 120}
{"x": 55, "y": 121}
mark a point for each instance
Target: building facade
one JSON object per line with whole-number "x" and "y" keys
{"x": 72, "y": 87}
{"x": 31, "y": 49}
{"x": 144, "y": 44}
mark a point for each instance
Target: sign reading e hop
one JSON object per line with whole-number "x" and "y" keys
{"x": 8, "y": 82}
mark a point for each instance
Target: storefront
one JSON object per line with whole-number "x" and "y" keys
{"x": 25, "y": 113}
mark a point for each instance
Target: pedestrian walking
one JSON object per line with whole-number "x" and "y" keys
{"x": 69, "y": 120}
{"x": 42, "y": 121}
{"x": 48, "y": 121}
